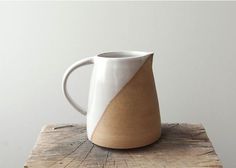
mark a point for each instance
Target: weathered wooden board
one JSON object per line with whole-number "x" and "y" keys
{"x": 66, "y": 146}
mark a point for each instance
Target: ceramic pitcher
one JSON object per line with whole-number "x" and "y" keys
{"x": 123, "y": 110}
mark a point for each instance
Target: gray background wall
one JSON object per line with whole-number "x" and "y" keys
{"x": 194, "y": 64}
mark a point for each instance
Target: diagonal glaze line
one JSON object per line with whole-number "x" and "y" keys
{"x": 146, "y": 61}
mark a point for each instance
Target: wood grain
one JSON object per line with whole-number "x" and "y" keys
{"x": 67, "y": 146}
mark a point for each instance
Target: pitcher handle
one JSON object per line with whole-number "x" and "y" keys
{"x": 85, "y": 61}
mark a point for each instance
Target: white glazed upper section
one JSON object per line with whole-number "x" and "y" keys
{"x": 112, "y": 71}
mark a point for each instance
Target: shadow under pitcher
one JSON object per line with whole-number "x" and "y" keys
{"x": 123, "y": 110}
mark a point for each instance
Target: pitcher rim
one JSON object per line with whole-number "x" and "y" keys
{"x": 124, "y": 54}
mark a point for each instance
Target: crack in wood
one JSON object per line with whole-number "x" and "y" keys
{"x": 83, "y": 158}
{"x": 206, "y": 161}
{"x": 126, "y": 163}
{"x": 64, "y": 126}
{"x": 74, "y": 150}
{"x": 108, "y": 152}
{"x": 199, "y": 133}
{"x": 206, "y": 153}
{"x": 173, "y": 125}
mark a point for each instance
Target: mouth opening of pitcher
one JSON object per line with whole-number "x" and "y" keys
{"x": 125, "y": 54}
